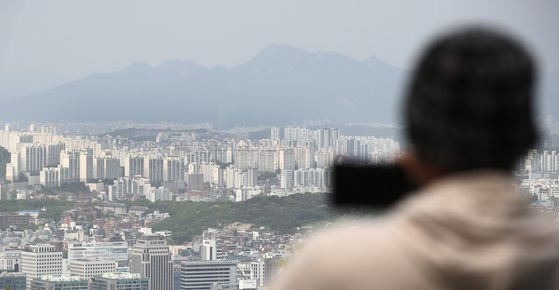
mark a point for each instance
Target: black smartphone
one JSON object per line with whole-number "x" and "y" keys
{"x": 378, "y": 186}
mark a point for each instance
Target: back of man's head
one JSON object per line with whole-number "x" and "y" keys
{"x": 470, "y": 102}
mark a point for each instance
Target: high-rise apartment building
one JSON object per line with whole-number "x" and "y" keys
{"x": 86, "y": 165}
{"x": 53, "y": 154}
{"x": 32, "y": 158}
{"x": 107, "y": 168}
{"x": 134, "y": 166}
{"x": 153, "y": 169}
{"x": 50, "y": 177}
{"x": 151, "y": 258}
{"x": 286, "y": 159}
{"x": 70, "y": 160}
{"x": 286, "y": 179}
{"x": 173, "y": 169}
{"x": 267, "y": 160}
{"x": 275, "y": 134}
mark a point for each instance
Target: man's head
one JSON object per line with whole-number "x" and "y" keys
{"x": 470, "y": 102}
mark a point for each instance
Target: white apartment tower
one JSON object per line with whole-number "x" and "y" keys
{"x": 173, "y": 169}
{"x": 50, "y": 177}
{"x": 33, "y": 158}
{"x": 275, "y": 134}
{"x": 86, "y": 165}
{"x": 134, "y": 166}
{"x": 286, "y": 179}
{"x": 70, "y": 160}
{"x": 208, "y": 250}
{"x": 153, "y": 169}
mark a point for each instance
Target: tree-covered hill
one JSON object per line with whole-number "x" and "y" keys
{"x": 276, "y": 214}
{"x": 53, "y": 208}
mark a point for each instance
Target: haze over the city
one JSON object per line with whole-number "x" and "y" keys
{"x": 48, "y": 44}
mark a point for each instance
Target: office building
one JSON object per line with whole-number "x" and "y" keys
{"x": 40, "y": 260}
{"x": 10, "y": 260}
{"x": 151, "y": 258}
{"x": 204, "y": 275}
{"x": 104, "y": 251}
{"x": 90, "y": 268}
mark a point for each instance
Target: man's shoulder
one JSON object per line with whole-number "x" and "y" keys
{"x": 353, "y": 254}
{"x": 354, "y": 238}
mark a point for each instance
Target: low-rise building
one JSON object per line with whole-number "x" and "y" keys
{"x": 59, "y": 283}
{"x": 90, "y": 268}
{"x": 120, "y": 281}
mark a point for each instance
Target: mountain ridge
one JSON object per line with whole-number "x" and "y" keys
{"x": 279, "y": 85}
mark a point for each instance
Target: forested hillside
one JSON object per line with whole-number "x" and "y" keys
{"x": 277, "y": 214}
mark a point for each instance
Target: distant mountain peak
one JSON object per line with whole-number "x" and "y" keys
{"x": 179, "y": 65}
{"x": 281, "y": 51}
{"x": 138, "y": 66}
{"x": 280, "y": 47}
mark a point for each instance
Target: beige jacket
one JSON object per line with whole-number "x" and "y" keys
{"x": 469, "y": 231}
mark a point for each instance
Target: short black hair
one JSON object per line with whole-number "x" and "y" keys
{"x": 470, "y": 102}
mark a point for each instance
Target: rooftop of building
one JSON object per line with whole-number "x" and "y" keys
{"x": 53, "y": 278}
{"x": 210, "y": 262}
{"x": 121, "y": 276}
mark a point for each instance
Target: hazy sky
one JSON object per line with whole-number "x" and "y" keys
{"x": 44, "y": 43}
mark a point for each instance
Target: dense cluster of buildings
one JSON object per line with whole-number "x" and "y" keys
{"x": 102, "y": 242}
{"x": 184, "y": 165}
{"x": 116, "y": 253}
